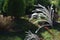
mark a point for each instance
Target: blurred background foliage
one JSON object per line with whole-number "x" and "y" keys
{"x": 22, "y": 7}
{"x": 19, "y": 7}
{"x": 16, "y": 7}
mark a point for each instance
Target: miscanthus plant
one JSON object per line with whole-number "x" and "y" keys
{"x": 47, "y": 13}
{"x": 31, "y": 36}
